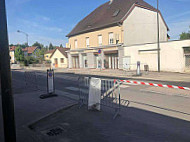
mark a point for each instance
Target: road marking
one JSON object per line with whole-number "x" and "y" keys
{"x": 124, "y": 86}
{"x": 72, "y": 88}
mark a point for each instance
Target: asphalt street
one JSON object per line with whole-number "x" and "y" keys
{"x": 169, "y": 102}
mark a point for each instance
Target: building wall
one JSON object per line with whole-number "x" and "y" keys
{"x": 12, "y": 55}
{"x": 47, "y": 56}
{"x": 93, "y": 37}
{"x": 141, "y": 27}
{"x": 172, "y": 56}
{"x": 59, "y": 55}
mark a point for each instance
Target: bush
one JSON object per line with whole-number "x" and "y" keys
{"x": 30, "y": 60}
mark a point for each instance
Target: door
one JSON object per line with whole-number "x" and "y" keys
{"x": 56, "y": 62}
{"x": 187, "y": 61}
{"x": 75, "y": 62}
{"x": 126, "y": 63}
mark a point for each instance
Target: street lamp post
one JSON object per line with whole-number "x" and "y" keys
{"x": 6, "y": 85}
{"x": 25, "y": 35}
{"x": 26, "y": 42}
{"x": 158, "y": 26}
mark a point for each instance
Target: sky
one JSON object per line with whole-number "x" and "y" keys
{"x": 49, "y": 21}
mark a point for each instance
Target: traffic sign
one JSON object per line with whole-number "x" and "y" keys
{"x": 99, "y": 51}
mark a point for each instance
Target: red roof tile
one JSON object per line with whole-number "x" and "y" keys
{"x": 30, "y": 50}
{"x": 12, "y": 48}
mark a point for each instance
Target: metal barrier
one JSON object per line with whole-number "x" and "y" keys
{"x": 84, "y": 84}
{"x": 31, "y": 80}
{"x": 110, "y": 93}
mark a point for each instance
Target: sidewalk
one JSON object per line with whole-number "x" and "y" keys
{"x": 134, "y": 125}
{"x": 29, "y": 108}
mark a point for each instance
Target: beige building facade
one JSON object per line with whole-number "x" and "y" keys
{"x": 12, "y": 54}
{"x": 174, "y": 56}
{"x": 98, "y": 40}
{"x": 59, "y": 58}
{"x": 12, "y": 57}
{"x": 48, "y": 54}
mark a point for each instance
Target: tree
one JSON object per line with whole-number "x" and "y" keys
{"x": 38, "y": 45}
{"x": 40, "y": 54}
{"x": 19, "y": 54}
{"x": 22, "y": 45}
{"x": 51, "y": 47}
{"x": 61, "y": 46}
{"x": 185, "y": 35}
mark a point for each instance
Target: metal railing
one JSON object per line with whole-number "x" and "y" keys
{"x": 110, "y": 93}
{"x": 31, "y": 80}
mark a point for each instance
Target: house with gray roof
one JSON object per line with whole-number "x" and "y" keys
{"x": 97, "y": 41}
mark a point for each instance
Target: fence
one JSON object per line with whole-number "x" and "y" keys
{"x": 110, "y": 93}
{"x": 35, "y": 82}
{"x": 31, "y": 80}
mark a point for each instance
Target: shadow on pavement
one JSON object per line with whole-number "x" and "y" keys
{"x": 135, "y": 125}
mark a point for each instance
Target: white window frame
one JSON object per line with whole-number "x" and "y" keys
{"x": 87, "y": 42}
{"x": 99, "y": 40}
{"x": 111, "y": 38}
{"x": 76, "y": 43}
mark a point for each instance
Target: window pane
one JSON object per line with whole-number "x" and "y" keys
{"x": 100, "y": 39}
{"x": 111, "y": 38}
{"x": 76, "y": 44}
{"x": 87, "y": 42}
{"x": 62, "y": 60}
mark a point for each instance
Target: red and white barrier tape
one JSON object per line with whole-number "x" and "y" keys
{"x": 156, "y": 85}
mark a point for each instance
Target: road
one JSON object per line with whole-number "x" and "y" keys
{"x": 170, "y": 102}
{"x": 161, "y": 108}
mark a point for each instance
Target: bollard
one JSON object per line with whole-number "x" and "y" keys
{"x": 50, "y": 85}
{"x": 138, "y": 68}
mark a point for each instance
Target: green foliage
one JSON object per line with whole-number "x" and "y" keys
{"x": 61, "y": 46}
{"x": 22, "y": 45}
{"x": 38, "y": 45}
{"x": 30, "y": 60}
{"x": 19, "y": 54}
{"x": 185, "y": 35}
{"x": 40, "y": 54}
{"x": 51, "y": 47}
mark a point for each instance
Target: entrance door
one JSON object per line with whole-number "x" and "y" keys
{"x": 76, "y": 62}
{"x": 56, "y": 62}
{"x": 113, "y": 61}
{"x": 126, "y": 63}
{"x": 187, "y": 61}
{"x": 98, "y": 62}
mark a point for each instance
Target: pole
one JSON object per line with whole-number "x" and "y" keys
{"x": 5, "y": 72}
{"x": 27, "y": 39}
{"x": 158, "y": 26}
{"x": 25, "y": 35}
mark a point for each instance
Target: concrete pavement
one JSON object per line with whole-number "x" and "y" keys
{"x": 29, "y": 108}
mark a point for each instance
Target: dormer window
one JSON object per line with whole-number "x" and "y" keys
{"x": 89, "y": 26}
{"x": 116, "y": 13}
